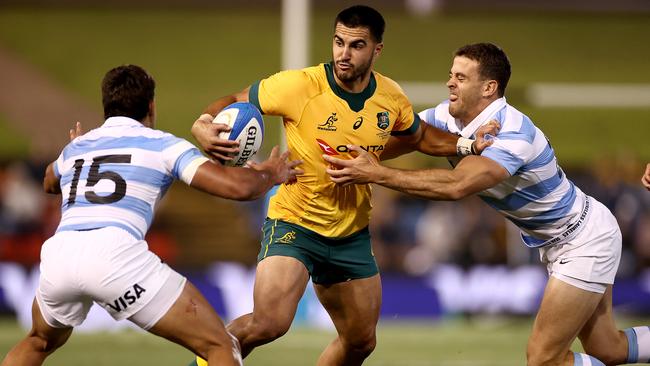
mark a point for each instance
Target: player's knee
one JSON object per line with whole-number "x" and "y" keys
{"x": 42, "y": 344}
{"x": 215, "y": 341}
{"x": 361, "y": 344}
{"x": 270, "y": 329}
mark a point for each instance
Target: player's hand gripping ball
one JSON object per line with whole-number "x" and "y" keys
{"x": 247, "y": 128}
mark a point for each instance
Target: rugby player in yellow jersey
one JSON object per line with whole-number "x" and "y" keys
{"x": 315, "y": 227}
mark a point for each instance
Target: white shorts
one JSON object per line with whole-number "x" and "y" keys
{"x": 110, "y": 267}
{"x": 590, "y": 259}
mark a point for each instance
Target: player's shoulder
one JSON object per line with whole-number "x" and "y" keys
{"x": 439, "y": 111}
{"x": 305, "y": 79}
{"x": 388, "y": 86}
{"x": 438, "y": 115}
{"x": 128, "y": 136}
{"x": 307, "y": 74}
{"x": 516, "y": 124}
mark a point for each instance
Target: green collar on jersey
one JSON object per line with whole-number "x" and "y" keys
{"x": 355, "y": 100}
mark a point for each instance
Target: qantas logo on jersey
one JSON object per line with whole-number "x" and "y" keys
{"x": 328, "y": 125}
{"x": 327, "y": 149}
{"x": 368, "y": 148}
{"x": 129, "y": 297}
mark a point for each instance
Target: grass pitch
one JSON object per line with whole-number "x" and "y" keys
{"x": 457, "y": 342}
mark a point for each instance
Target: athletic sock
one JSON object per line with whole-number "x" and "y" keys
{"x": 638, "y": 344}
{"x": 581, "y": 359}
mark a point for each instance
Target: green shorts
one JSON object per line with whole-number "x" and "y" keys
{"x": 328, "y": 260}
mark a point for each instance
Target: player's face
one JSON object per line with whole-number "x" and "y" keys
{"x": 465, "y": 89}
{"x": 353, "y": 52}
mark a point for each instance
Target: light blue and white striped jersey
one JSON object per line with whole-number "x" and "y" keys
{"x": 116, "y": 174}
{"x": 538, "y": 197}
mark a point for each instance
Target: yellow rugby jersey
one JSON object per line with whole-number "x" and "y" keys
{"x": 319, "y": 117}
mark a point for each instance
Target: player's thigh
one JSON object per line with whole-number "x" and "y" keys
{"x": 280, "y": 282}
{"x": 600, "y": 337}
{"x": 192, "y": 322}
{"x": 353, "y": 305}
{"x": 564, "y": 311}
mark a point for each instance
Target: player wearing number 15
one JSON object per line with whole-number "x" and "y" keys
{"x": 111, "y": 179}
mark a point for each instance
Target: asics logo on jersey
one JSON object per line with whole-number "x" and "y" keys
{"x": 357, "y": 123}
{"x": 287, "y": 238}
{"x": 328, "y": 125}
{"x": 327, "y": 149}
{"x": 129, "y": 297}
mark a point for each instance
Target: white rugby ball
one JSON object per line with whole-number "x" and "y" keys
{"x": 247, "y": 128}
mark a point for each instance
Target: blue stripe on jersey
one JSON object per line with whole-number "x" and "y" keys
{"x": 531, "y": 241}
{"x": 438, "y": 122}
{"x": 508, "y": 160}
{"x": 528, "y": 129}
{"x": 526, "y": 132}
{"x": 545, "y": 157}
{"x": 129, "y": 172}
{"x": 577, "y": 359}
{"x": 522, "y": 197}
{"x": 557, "y": 212}
{"x": 133, "y": 204}
{"x": 101, "y": 224}
{"x": 501, "y": 115}
{"x": 124, "y": 142}
{"x": 184, "y": 160}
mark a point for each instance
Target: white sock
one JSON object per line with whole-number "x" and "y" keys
{"x": 581, "y": 359}
{"x": 638, "y": 344}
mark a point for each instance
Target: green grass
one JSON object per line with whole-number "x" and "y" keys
{"x": 454, "y": 343}
{"x": 198, "y": 55}
{"x": 459, "y": 342}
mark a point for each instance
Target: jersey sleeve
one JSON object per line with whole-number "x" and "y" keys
{"x": 509, "y": 151}
{"x": 282, "y": 94}
{"x": 408, "y": 121}
{"x": 181, "y": 158}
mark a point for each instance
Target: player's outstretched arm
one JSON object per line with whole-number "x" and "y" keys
{"x": 207, "y": 133}
{"x": 646, "y": 177}
{"x": 245, "y": 184}
{"x": 433, "y": 141}
{"x": 473, "y": 174}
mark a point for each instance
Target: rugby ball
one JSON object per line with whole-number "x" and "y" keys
{"x": 247, "y": 128}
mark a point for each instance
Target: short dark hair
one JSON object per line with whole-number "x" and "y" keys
{"x": 363, "y": 16}
{"x": 493, "y": 62}
{"x": 127, "y": 91}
